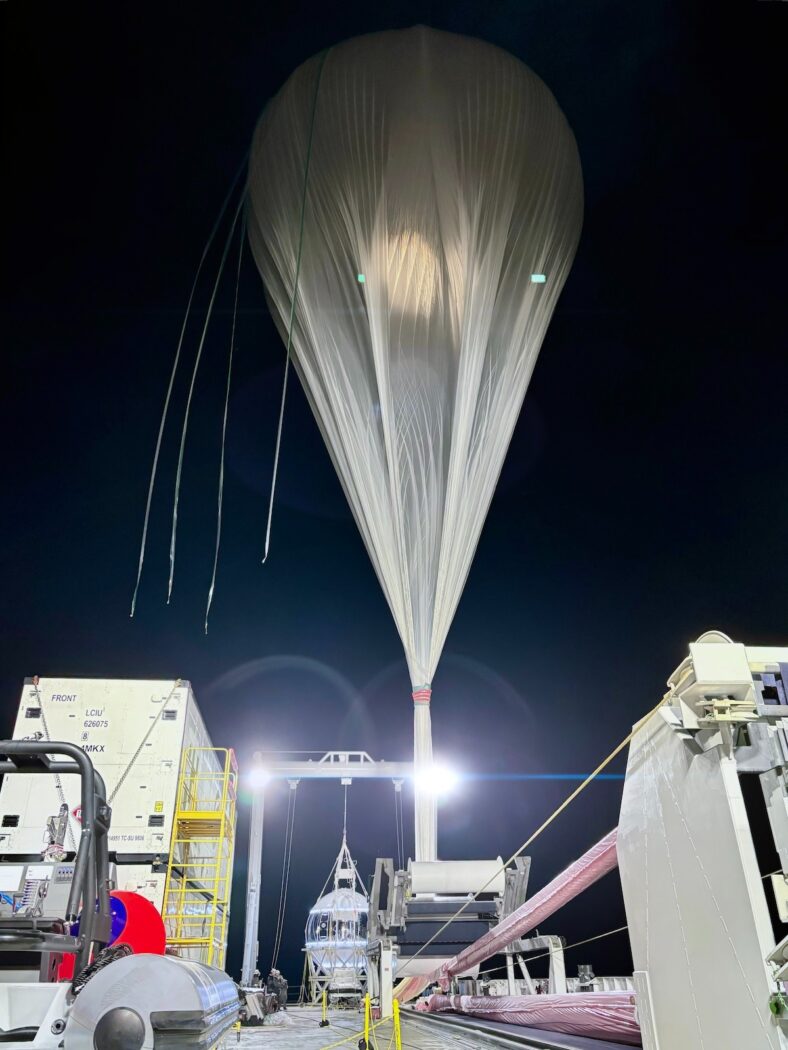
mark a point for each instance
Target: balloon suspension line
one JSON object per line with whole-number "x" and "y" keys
{"x": 220, "y": 495}
{"x": 344, "y": 819}
{"x": 280, "y": 920}
{"x": 173, "y": 373}
{"x": 197, "y": 360}
{"x": 293, "y": 307}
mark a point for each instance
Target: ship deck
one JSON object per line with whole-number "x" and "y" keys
{"x": 298, "y": 1029}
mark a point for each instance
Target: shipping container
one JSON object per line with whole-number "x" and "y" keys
{"x": 134, "y": 731}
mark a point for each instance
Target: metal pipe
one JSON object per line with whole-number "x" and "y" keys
{"x": 33, "y": 748}
{"x": 37, "y": 941}
{"x": 84, "y": 886}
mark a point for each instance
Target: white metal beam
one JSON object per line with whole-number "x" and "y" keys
{"x": 345, "y": 766}
{"x": 334, "y": 765}
{"x": 253, "y": 878}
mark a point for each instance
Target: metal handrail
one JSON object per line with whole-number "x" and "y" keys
{"x": 91, "y": 864}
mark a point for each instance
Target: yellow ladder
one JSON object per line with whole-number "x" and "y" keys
{"x": 196, "y": 908}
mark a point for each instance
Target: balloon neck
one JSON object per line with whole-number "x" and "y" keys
{"x": 422, "y": 695}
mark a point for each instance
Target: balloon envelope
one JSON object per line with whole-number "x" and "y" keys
{"x": 437, "y": 223}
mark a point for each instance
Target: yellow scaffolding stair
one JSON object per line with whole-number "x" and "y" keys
{"x": 200, "y": 868}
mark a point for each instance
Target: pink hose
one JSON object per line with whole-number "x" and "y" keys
{"x": 597, "y": 1015}
{"x": 585, "y": 871}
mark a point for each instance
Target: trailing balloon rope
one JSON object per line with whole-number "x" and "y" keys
{"x": 545, "y": 824}
{"x": 195, "y": 369}
{"x": 220, "y": 495}
{"x": 173, "y": 373}
{"x": 277, "y": 449}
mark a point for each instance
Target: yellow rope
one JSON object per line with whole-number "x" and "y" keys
{"x": 563, "y": 948}
{"x": 545, "y": 824}
{"x": 358, "y": 1035}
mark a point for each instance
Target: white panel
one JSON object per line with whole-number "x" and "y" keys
{"x": 10, "y": 877}
{"x": 39, "y": 871}
{"x": 697, "y": 914}
{"x": 719, "y": 670}
{"x": 761, "y": 656}
{"x": 457, "y": 876}
{"x": 422, "y": 965}
{"x": 644, "y": 1010}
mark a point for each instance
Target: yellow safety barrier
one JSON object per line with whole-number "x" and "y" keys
{"x": 370, "y": 1028}
{"x": 363, "y": 1038}
{"x": 397, "y": 1027}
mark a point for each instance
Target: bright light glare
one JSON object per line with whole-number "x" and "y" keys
{"x": 436, "y": 780}
{"x": 257, "y": 778}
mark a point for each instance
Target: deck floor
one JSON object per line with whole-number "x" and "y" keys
{"x": 298, "y": 1029}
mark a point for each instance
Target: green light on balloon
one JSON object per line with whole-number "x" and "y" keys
{"x": 360, "y": 278}
{"x": 538, "y": 278}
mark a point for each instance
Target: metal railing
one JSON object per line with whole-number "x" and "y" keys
{"x": 197, "y": 891}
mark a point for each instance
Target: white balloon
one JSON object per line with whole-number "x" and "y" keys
{"x": 442, "y": 212}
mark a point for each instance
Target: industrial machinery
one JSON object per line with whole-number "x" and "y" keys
{"x": 173, "y": 798}
{"x": 422, "y": 916}
{"x": 336, "y": 935}
{"x": 116, "y": 999}
{"x": 344, "y": 766}
{"x": 696, "y": 898}
{"x": 706, "y": 910}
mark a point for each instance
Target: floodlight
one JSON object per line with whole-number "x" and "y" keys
{"x": 257, "y": 778}
{"x": 436, "y": 780}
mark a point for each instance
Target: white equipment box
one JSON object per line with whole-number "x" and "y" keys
{"x": 135, "y": 732}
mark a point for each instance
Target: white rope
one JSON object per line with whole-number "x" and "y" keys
{"x": 285, "y": 874}
{"x": 562, "y": 949}
{"x": 220, "y": 495}
{"x": 285, "y": 888}
{"x": 197, "y": 360}
{"x": 282, "y": 883}
{"x": 165, "y": 410}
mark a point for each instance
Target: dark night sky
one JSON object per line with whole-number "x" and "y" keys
{"x": 643, "y": 498}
